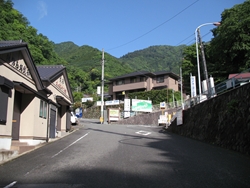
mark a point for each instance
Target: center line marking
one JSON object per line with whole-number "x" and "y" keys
{"x": 145, "y": 133}
{"x": 69, "y": 145}
{"x": 11, "y": 185}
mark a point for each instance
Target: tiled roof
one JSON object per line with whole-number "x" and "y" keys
{"x": 161, "y": 72}
{"x": 11, "y": 44}
{"x": 48, "y": 71}
{"x": 137, "y": 73}
{"x": 146, "y": 73}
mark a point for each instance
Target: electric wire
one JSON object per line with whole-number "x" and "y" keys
{"x": 155, "y": 27}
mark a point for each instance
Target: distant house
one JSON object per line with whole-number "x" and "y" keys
{"x": 240, "y": 78}
{"x": 35, "y": 101}
{"x": 121, "y": 86}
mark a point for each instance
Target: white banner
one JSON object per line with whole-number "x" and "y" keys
{"x": 193, "y": 86}
{"x": 114, "y": 102}
{"x": 126, "y": 108}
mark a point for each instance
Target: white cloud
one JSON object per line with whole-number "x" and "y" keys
{"x": 42, "y": 8}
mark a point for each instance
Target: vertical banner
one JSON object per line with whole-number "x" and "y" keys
{"x": 193, "y": 86}
{"x": 98, "y": 90}
{"x": 126, "y": 108}
{"x": 213, "y": 92}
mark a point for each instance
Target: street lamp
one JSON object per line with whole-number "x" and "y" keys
{"x": 197, "y": 31}
{"x": 102, "y": 92}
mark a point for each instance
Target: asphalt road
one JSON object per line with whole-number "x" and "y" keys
{"x": 119, "y": 156}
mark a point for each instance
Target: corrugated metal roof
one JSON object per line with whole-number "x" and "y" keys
{"x": 48, "y": 71}
{"x": 239, "y": 75}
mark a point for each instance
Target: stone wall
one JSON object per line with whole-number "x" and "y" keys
{"x": 223, "y": 120}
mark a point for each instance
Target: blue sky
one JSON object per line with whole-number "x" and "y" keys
{"x": 123, "y": 26}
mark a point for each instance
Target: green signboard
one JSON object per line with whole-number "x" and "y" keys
{"x": 141, "y": 105}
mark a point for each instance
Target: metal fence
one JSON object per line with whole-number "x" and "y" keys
{"x": 236, "y": 81}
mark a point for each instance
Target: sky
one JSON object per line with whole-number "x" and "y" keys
{"x": 122, "y": 26}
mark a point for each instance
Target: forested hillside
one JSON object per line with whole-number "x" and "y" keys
{"x": 89, "y": 59}
{"x": 228, "y": 52}
{"x": 156, "y": 58}
{"x": 83, "y": 63}
{"x": 14, "y": 26}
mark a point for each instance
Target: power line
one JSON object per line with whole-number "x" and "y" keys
{"x": 185, "y": 39}
{"x": 155, "y": 27}
{"x": 193, "y": 40}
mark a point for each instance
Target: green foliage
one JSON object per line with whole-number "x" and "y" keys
{"x": 89, "y": 104}
{"x": 189, "y": 66}
{"x": 156, "y": 96}
{"x": 155, "y": 58}
{"x": 230, "y": 47}
{"x": 229, "y": 50}
{"x": 77, "y": 105}
{"x": 77, "y": 96}
{"x": 85, "y": 68}
{"x": 14, "y": 26}
{"x": 89, "y": 60}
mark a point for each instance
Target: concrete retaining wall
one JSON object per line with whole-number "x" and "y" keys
{"x": 144, "y": 119}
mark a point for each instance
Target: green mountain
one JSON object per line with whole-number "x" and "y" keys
{"x": 155, "y": 58}
{"x": 88, "y": 58}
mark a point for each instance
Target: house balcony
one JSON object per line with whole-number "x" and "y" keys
{"x": 130, "y": 86}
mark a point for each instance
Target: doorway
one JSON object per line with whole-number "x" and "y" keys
{"x": 16, "y": 116}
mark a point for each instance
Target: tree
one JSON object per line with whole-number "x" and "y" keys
{"x": 230, "y": 48}
{"x": 189, "y": 66}
{"x": 14, "y": 26}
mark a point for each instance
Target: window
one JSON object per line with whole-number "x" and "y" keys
{"x": 160, "y": 79}
{"x": 43, "y": 109}
{"x": 133, "y": 80}
{"x": 119, "y": 82}
{"x": 142, "y": 79}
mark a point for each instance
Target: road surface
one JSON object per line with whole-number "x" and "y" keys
{"x": 120, "y": 156}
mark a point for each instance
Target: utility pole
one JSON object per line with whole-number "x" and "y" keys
{"x": 102, "y": 118}
{"x": 173, "y": 97}
{"x": 204, "y": 64}
{"x": 182, "y": 106}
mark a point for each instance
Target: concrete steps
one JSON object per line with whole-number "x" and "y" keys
{"x": 16, "y": 149}
{"x": 21, "y": 147}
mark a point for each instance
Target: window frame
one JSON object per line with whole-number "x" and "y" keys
{"x": 160, "y": 79}
{"x": 133, "y": 80}
{"x": 43, "y": 109}
{"x": 120, "y": 82}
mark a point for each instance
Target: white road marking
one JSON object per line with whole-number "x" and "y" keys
{"x": 141, "y": 125}
{"x": 145, "y": 133}
{"x": 70, "y": 145}
{"x": 10, "y": 185}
